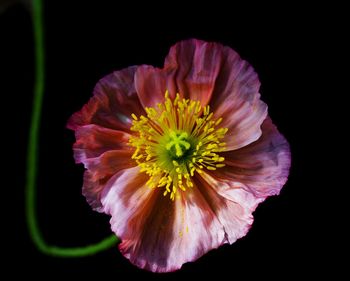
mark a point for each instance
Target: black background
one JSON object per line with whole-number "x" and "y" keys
{"x": 84, "y": 42}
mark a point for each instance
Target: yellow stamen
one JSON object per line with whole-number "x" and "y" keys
{"x": 175, "y": 141}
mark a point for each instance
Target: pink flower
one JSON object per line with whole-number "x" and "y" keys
{"x": 181, "y": 156}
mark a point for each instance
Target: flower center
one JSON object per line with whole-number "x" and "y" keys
{"x": 178, "y": 144}
{"x": 177, "y": 139}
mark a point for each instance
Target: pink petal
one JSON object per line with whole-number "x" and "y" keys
{"x": 190, "y": 69}
{"x": 236, "y": 99}
{"x": 109, "y": 163}
{"x": 233, "y": 209}
{"x": 261, "y": 167}
{"x": 103, "y": 152}
{"x": 197, "y": 65}
{"x": 151, "y": 84}
{"x": 99, "y": 172}
{"x": 243, "y": 120}
{"x": 114, "y": 101}
{"x": 93, "y": 140}
{"x": 158, "y": 234}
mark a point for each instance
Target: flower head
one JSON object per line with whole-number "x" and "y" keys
{"x": 181, "y": 156}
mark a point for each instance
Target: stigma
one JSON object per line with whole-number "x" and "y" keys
{"x": 175, "y": 140}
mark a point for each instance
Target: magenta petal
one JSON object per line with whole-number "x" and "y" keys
{"x": 190, "y": 69}
{"x": 151, "y": 84}
{"x": 114, "y": 101}
{"x": 158, "y": 234}
{"x": 109, "y": 163}
{"x": 243, "y": 120}
{"x": 236, "y": 99}
{"x": 233, "y": 209}
{"x": 93, "y": 140}
{"x": 100, "y": 170}
{"x": 197, "y": 64}
{"x": 103, "y": 152}
{"x": 262, "y": 167}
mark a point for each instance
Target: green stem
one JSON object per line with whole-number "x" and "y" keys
{"x": 33, "y": 151}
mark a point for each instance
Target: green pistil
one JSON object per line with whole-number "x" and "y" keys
{"x": 178, "y": 143}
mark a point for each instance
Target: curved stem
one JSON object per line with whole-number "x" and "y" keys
{"x": 32, "y": 155}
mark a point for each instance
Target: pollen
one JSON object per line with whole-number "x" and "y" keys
{"x": 175, "y": 140}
